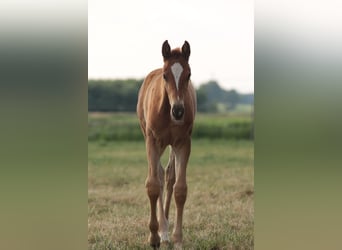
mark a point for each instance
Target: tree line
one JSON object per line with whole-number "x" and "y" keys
{"x": 121, "y": 95}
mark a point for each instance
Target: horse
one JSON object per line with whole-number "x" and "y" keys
{"x": 166, "y": 110}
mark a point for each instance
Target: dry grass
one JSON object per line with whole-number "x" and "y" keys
{"x": 218, "y": 212}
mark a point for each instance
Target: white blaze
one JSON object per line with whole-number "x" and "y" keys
{"x": 177, "y": 70}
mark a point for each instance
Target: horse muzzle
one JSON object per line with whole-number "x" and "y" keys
{"x": 178, "y": 111}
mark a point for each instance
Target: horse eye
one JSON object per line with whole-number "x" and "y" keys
{"x": 189, "y": 76}
{"x": 164, "y": 76}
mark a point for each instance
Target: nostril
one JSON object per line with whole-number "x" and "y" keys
{"x": 178, "y": 112}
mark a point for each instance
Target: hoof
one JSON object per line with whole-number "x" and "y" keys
{"x": 155, "y": 245}
{"x": 154, "y": 241}
{"x": 178, "y": 246}
{"x": 166, "y": 245}
{"x": 164, "y": 237}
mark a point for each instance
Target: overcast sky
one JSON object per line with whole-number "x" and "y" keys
{"x": 125, "y": 38}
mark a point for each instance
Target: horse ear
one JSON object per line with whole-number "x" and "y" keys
{"x": 166, "y": 50}
{"x": 186, "y": 50}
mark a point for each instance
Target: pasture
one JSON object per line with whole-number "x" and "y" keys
{"x": 219, "y": 211}
{"x": 124, "y": 126}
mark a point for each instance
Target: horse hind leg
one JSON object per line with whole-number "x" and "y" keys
{"x": 170, "y": 181}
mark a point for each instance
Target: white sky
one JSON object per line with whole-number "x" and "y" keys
{"x": 125, "y": 38}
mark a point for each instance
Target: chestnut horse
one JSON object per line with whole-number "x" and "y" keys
{"x": 166, "y": 109}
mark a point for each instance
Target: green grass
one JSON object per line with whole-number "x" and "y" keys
{"x": 125, "y": 126}
{"x": 219, "y": 211}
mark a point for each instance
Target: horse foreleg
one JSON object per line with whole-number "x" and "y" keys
{"x": 153, "y": 187}
{"x": 180, "y": 190}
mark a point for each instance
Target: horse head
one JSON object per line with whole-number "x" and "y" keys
{"x": 176, "y": 77}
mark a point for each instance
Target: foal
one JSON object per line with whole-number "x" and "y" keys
{"x": 166, "y": 109}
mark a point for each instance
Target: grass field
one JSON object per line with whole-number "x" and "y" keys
{"x": 219, "y": 211}
{"x": 125, "y": 126}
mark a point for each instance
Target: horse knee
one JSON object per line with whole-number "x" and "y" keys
{"x": 153, "y": 188}
{"x": 180, "y": 192}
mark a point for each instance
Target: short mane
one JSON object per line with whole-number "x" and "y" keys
{"x": 175, "y": 53}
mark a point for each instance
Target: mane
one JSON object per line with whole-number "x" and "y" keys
{"x": 176, "y": 53}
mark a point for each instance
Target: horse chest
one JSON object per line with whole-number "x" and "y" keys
{"x": 173, "y": 135}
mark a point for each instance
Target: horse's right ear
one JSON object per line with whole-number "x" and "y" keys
{"x": 166, "y": 50}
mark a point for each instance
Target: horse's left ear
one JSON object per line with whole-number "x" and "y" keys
{"x": 186, "y": 50}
